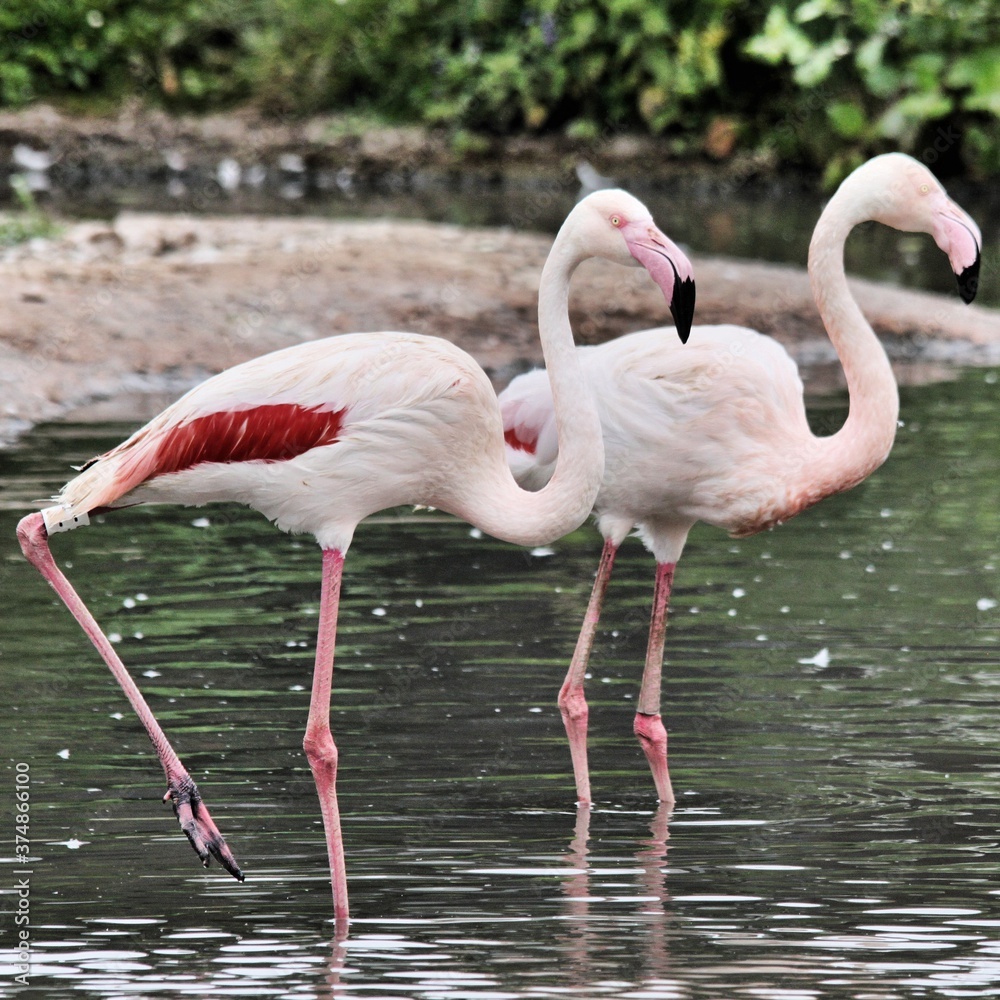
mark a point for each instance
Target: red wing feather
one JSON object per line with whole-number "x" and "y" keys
{"x": 519, "y": 444}
{"x": 263, "y": 434}
{"x": 273, "y": 433}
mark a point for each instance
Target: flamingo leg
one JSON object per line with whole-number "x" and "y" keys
{"x": 572, "y": 700}
{"x": 182, "y": 793}
{"x": 648, "y": 724}
{"x": 321, "y": 751}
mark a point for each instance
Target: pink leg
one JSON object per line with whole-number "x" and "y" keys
{"x": 320, "y": 749}
{"x": 572, "y": 701}
{"x": 182, "y": 793}
{"x": 648, "y": 725}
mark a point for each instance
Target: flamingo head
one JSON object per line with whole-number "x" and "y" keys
{"x": 618, "y": 227}
{"x": 904, "y": 194}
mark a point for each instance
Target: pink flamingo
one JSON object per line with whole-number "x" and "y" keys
{"x": 318, "y": 436}
{"x": 718, "y": 432}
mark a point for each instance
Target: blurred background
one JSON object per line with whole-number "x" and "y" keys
{"x": 818, "y": 85}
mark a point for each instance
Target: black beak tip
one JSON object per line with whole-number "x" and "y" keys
{"x": 968, "y": 281}
{"x": 682, "y": 308}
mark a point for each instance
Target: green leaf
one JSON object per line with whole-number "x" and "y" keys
{"x": 881, "y": 79}
{"x": 584, "y": 129}
{"x": 592, "y": 67}
{"x": 925, "y": 70}
{"x": 815, "y": 68}
{"x": 779, "y": 41}
{"x": 193, "y": 84}
{"x": 655, "y": 23}
{"x": 971, "y": 69}
{"x": 583, "y": 27}
{"x": 901, "y": 119}
{"x": 847, "y": 118}
{"x": 813, "y": 9}
{"x": 979, "y": 71}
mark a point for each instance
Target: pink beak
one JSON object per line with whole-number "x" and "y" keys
{"x": 668, "y": 267}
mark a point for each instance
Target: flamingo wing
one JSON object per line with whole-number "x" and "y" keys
{"x": 529, "y": 426}
{"x": 275, "y": 408}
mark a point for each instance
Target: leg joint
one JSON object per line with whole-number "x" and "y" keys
{"x": 650, "y": 730}
{"x": 573, "y": 704}
{"x": 320, "y": 748}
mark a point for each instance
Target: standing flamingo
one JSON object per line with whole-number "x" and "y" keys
{"x": 318, "y": 436}
{"x": 718, "y": 432}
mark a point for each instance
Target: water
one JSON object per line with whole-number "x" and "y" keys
{"x": 836, "y": 827}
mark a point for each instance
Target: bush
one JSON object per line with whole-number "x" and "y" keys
{"x": 921, "y": 77}
{"x": 818, "y": 82}
{"x": 170, "y": 51}
{"x": 586, "y": 66}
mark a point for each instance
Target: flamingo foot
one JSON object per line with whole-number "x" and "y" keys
{"x": 653, "y": 740}
{"x": 198, "y": 825}
{"x": 575, "y": 713}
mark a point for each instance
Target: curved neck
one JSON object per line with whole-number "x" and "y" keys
{"x": 532, "y": 518}
{"x": 863, "y": 443}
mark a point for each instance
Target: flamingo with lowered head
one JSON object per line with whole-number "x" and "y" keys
{"x": 318, "y": 436}
{"x": 718, "y": 432}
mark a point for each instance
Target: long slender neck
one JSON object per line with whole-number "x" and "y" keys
{"x": 863, "y": 443}
{"x": 532, "y": 518}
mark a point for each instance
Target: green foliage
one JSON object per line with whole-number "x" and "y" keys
{"x": 819, "y": 82}
{"x": 171, "y": 50}
{"x": 27, "y": 223}
{"x": 922, "y": 75}
{"x": 584, "y": 66}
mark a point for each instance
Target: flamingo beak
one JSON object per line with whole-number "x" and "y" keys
{"x": 668, "y": 267}
{"x": 959, "y": 237}
{"x": 968, "y": 280}
{"x": 682, "y": 307}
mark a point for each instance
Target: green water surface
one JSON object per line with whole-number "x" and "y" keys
{"x": 836, "y": 831}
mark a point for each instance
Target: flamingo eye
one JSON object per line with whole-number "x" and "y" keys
{"x": 616, "y": 220}
{"x": 924, "y": 188}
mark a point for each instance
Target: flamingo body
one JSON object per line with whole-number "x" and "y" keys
{"x": 320, "y": 435}
{"x": 316, "y": 437}
{"x": 687, "y": 433}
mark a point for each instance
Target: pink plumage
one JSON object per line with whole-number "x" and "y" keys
{"x": 318, "y": 436}
{"x": 717, "y": 431}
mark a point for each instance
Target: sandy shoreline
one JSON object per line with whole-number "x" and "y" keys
{"x": 109, "y": 319}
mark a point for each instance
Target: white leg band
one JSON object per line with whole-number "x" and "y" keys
{"x": 56, "y": 519}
